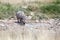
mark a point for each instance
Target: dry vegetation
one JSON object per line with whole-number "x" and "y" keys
{"x": 23, "y": 1}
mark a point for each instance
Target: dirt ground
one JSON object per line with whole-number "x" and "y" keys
{"x": 44, "y": 30}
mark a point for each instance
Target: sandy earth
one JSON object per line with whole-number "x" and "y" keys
{"x": 44, "y": 30}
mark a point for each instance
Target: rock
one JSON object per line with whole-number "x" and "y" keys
{"x": 3, "y": 26}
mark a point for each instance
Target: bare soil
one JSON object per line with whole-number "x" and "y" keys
{"x": 44, "y": 30}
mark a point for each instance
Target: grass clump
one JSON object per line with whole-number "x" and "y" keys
{"x": 52, "y": 9}
{"x": 6, "y": 10}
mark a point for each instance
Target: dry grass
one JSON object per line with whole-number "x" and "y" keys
{"x": 27, "y": 34}
{"x": 23, "y": 1}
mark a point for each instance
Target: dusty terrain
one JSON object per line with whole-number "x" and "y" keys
{"x": 43, "y": 30}
{"x": 23, "y": 1}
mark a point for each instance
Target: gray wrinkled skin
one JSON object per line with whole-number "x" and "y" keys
{"x": 21, "y": 17}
